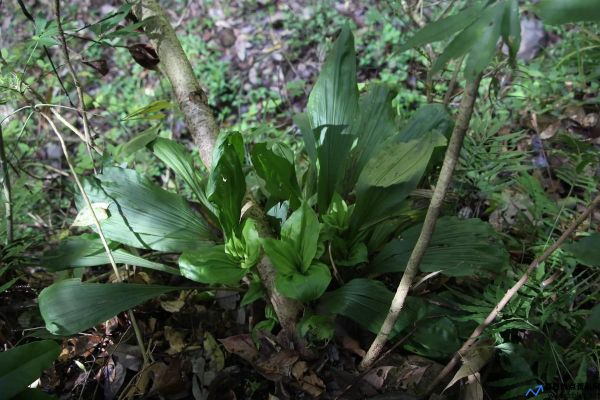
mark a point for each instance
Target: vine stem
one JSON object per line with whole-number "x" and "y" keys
{"x": 512, "y": 292}
{"x": 443, "y": 182}
{"x": 88, "y": 204}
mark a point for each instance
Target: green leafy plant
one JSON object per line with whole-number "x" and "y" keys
{"x": 348, "y": 197}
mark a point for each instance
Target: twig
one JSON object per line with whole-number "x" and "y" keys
{"x": 412, "y": 266}
{"x": 512, "y": 292}
{"x": 6, "y": 191}
{"x": 82, "y": 109}
{"x": 452, "y": 84}
{"x": 88, "y": 203}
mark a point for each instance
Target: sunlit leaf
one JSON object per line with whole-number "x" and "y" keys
{"x": 334, "y": 98}
{"x": 143, "y": 215}
{"x": 88, "y": 251}
{"x": 211, "y": 265}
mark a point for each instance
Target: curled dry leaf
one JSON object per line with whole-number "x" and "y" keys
{"x": 473, "y": 361}
{"x": 174, "y": 306}
{"x": 175, "y": 339}
{"x": 550, "y": 130}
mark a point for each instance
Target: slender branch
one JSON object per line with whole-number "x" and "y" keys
{"x": 88, "y": 204}
{"x": 513, "y": 291}
{"x": 452, "y": 84}
{"x": 78, "y": 87}
{"x": 412, "y": 266}
{"x": 176, "y": 66}
{"x": 6, "y": 191}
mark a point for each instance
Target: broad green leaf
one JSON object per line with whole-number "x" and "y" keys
{"x": 138, "y": 142}
{"x": 278, "y": 173}
{"x": 399, "y": 162}
{"x": 435, "y": 337}
{"x": 375, "y": 123}
{"x": 511, "y": 28}
{"x": 251, "y": 244}
{"x": 22, "y": 365}
{"x": 390, "y": 176}
{"x": 429, "y": 117}
{"x": 332, "y": 154}
{"x": 317, "y": 329}
{"x": 179, "y": 159}
{"x": 8, "y": 285}
{"x": 303, "y": 123}
{"x": 306, "y": 286}
{"x": 484, "y": 48}
{"x": 555, "y": 12}
{"x": 593, "y": 321}
{"x": 255, "y": 291}
{"x": 334, "y": 98}
{"x": 367, "y": 302}
{"x": 444, "y": 28}
{"x": 227, "y": 185}
{"x": 483, "y": 28}
{"x": 458, "y": 248}
{"x": 143, "y": 215}
{"x": 586, "y": 250}
{"x": 302, "y": 229}
{"x": 71, "y": 306}
{"x": 88, "y": 251}
{"x": 283, "y": 255}
{"x": 211, "y": 265}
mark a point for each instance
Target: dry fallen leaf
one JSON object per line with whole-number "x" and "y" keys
{"x": 86, "y": 218}
{"x": 176, "y": 305}
{"x": 175, "y": 339}
{"x": 550, "y": 130}
{"x": 473, "y": 361}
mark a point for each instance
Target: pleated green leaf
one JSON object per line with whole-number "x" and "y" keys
{"x": 399, "y": 162}
{"x": 278, "y": 173}
{"x": 72, "y": 306}
{"x": 227, "y": 185}
{"x": 88, "y": 251}
{"x": 367, "y": 302}
{"x": 586, "y": 250}
{"x": 179, "y": 159}
{"x": 302, "y": 229}
{"x": 334, "y": 98}
{"x": 511, "y": 28}
{"x": 555, "y": 12}
{"x": 22, "y": 365}
{"x": 458, "y": 248}
{"x": 143, "y": 215}
{"x": 375, "y": 123}
{"x": 332, "y": 153}
{"x": 211, "y": 265}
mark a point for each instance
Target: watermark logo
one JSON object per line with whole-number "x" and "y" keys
{"x": 534, "y": 391}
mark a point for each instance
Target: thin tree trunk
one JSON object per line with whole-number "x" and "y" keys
{"x": 174, "y": 63}
{"x": 193, "y": 102}
{"x": 412, "y": 266}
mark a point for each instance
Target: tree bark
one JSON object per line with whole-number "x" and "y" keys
{"x": 175, "y": 65}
